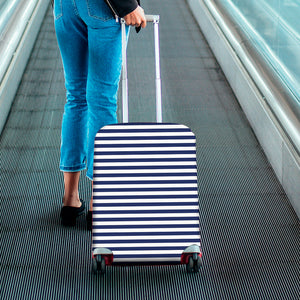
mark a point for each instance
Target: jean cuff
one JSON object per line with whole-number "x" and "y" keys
{"x": 89, "y": 176}
{"x": 73, "y": 169}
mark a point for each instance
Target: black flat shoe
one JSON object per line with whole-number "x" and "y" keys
{"x": 89, "y": 220}
{"x": 69, "y": 214}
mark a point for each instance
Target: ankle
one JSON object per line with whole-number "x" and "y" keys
{"x": 71, "y": 201}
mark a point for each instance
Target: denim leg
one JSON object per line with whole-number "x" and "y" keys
{"x": 72, "y": 40}
{"x": 91, "y": 47}
{"x": 105, "y": 63}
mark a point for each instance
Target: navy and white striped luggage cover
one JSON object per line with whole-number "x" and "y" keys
{"x": 145, "y": 199}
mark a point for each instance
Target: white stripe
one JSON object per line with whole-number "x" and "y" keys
{"x": 157, "y": 245}
{"x": 148, "y": 193}
{"x": 141, "y": 141}
{"x": 144, "y": 171}
{"x": 141, "y": 126}
{"x": 147, "y": 148}
{"x": 145, "y": 230}
{"x": 136, "y": 208}
{"x": 142, "y": 164}
{"x": 152, "y": 237}
{"x": 144, "y": 134}
{"x": 144, "y": 178}
{"x": 128, "y": 222}
{"x": 138, "y": 201}
{"x": 146, "y": 186}
{"x": 151, "y": 215}
{"x": 148, "y": 259}
{"x": 179, "y": 252}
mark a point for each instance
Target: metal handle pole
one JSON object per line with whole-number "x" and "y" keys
{"x": 157, "y": 72}
{"x": 124, "y": 74}
{"x": 155, "y": 20}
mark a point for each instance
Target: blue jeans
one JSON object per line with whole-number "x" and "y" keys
{"x": 90, "y": 43}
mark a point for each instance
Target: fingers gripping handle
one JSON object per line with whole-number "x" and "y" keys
{"x": 155, "y": 20}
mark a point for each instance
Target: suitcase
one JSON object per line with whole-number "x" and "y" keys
{"x": 145, "y": 199}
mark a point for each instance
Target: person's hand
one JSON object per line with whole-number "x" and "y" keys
{"x": 136, "y": 18}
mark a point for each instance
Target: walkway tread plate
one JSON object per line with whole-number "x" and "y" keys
{"x": 250, "y": 233}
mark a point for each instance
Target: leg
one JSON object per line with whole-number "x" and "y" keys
{"x": 71, "y": 196}
{"x": 74, "y": 124}
{"x": 73, "y": 207}
{"x": 71, "y": 35}
{"x": 105, "y": 63}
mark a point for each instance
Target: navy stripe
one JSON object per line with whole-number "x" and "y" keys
{"x": 146, "y": 182}
{"x": 117, "y": 190}
{"x": 144, "y": 130}
{"x": 133, "y": 197}
{"x": 100, "y": 175}
{"x": 193, "y": 167}
{"x": 168, "y": 145}
{"x": 180, "y": 248}
{"x": 148, "y": 241}
{"x": 138, "y": 138}
{"x": 98, "y": 234}
{"x": 150, "y": 226}
{"x": 130, "y": 218}
{"x": 143, "y": 124}
{"x": 99, "y": 160}
{"x": 170, "y": 204}
{"x": 144, "y": 256}
{"x": 143, "y": 152}
{"x": 138, "y": 212}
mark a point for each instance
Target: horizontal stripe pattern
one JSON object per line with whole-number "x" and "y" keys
{"x": 145, "y": 192}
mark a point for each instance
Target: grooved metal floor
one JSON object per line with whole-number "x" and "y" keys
{"x": 250, "y": 233}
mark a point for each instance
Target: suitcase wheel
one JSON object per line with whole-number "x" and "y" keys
{"x": 194, "y": 263}
{"x": 98, "y": 264}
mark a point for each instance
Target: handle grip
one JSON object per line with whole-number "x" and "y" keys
{"x": 152, "y": 18}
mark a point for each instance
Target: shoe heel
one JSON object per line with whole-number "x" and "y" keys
{"x": 68, "y": 217}
{"x": 68, "y": 222}
{"x": 69, "y": 214}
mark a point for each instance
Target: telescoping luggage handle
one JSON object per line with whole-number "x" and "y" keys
{"x": 155, "y": 20}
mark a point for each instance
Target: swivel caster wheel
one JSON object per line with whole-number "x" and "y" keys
{"x": 98, "y": 264}
{"x": 190, "y": 265}
{"x": 197, "y": 264}
{"x": 194, "y": 263}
